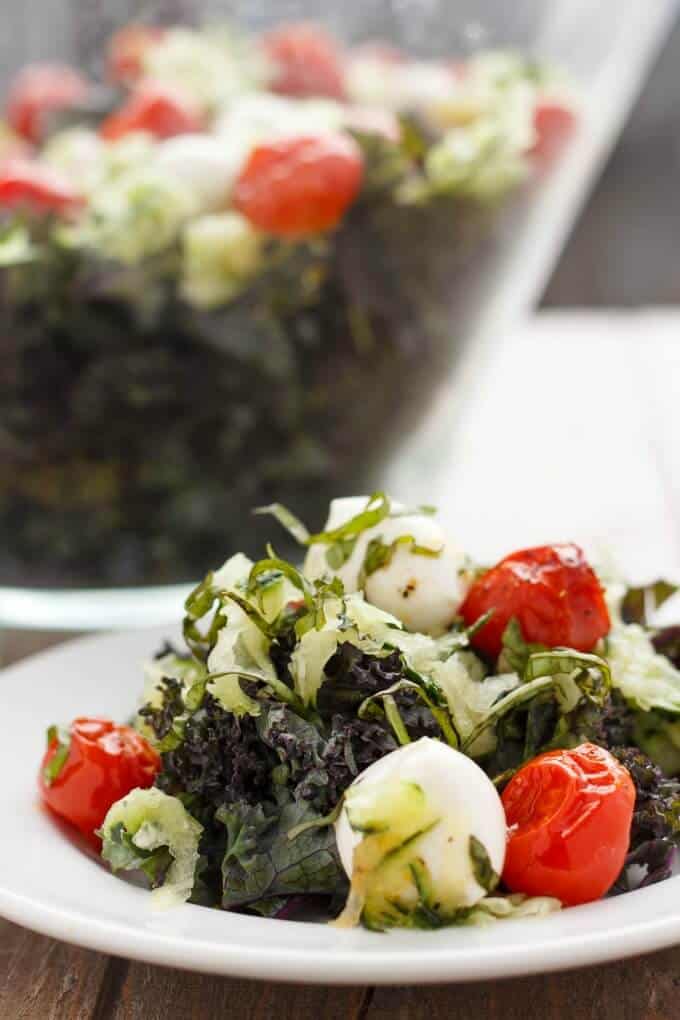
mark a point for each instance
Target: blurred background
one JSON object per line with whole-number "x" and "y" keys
{"x": 624, "y": 248}
{"x": 581, "y": 396}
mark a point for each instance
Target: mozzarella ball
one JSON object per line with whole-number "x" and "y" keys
{"x": 464, "y": 800}
{"x": 422, "y": 591}
{"x": 340, "y": 511}
{"x": 402, "y": 85}
{"x": 262, "y": 116}
{"x": 205, "y": 164}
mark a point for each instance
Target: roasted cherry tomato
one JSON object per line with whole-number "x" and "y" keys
{"x": 551, "y": 590}
{"x": 306, "y": 61}
{"x": 24, "y": 182}
{"x": 299, "y": 186}
{"x": 553, "y": 123}
{"x": 569, "y": 815}
{"x": 159, "y": 109}
{"x": 90, "y": 767}
{"x": 127, "y": 50}
{"x": 38, "y": 91}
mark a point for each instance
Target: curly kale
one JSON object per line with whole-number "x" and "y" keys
{"x": 353, "y": 675}
{"x": 318, "y": 769}
{"x": 610, "y": 726}
{"x": 249, "y": 780}
{"x": 221, "y": 758}
{"x": 655, "y": 832}
{"x": 161, "y": 718}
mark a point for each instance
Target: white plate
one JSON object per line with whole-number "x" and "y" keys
{"x": 48, "y": 884}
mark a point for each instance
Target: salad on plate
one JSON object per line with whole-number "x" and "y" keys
{"x": 392, "y": 735}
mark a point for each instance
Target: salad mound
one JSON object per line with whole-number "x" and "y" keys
{"x": 307, "y": 748}
{"x": 204, "y": 258}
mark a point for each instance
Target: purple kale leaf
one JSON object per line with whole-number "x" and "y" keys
{"x": 655, "y": 832}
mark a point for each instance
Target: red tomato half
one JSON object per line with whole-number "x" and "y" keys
{"x": 127, "y": 49}
{"x": 553, "y": 123}
{"x": 569, "y": 815}
{"x": 158, "y": 109}
{"x": 306, "y": 60}
{"x": 39, "y": 90}
{"x": 24, "y": 182}
{"x": 299, "y": 186}
{"x": 99, "y": 763}
{"x": 551, "y": 590}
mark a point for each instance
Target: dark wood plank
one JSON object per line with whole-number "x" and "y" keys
{"x": 644, "y": 988}
{"x": 41, "y": 978}
{"x": 154, "y": 993}
{"x": 17, "y": 644}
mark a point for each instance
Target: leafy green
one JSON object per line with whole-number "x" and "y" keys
{"x": 123, "y": 855}
{"x": 428, "y": 693}
{"x": 197, "y": 605}
{"x": 262, "y": 862}
{"x": 539, "y": 713}
{"x": 483, "y": 870}
{"x": 341, "y": 541}
{"x": 52, "y": 769}
{"x": 655, "y": 829}
{"x": 658, "y": 735}
{"x": 515, "y": 651}
{"x": 379, "y": 554}
{"x": 159, "y": 823}
{"x": 263, "y": 568}
{"x": 287, "y": 519}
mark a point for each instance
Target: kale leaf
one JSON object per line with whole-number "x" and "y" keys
{"x": 221, "y": 758}
{"x": 353, "y": 675}
{"x": 249, "y": 781}
{"x": 655, "y": 832}
{"x": 262, "y": 862}
{"x": 318, "y": 769}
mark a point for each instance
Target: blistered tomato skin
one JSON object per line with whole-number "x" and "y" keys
{"x": 301, "y": 186}
{"x": 306, "y": 62}
{"x": 38, "y": 91}
{"x": 25, "y": 183}
{"x": 551, "y": 590}
{"x": 104, "y": 762}
{"x": 569, "y": 815}
{"x": 159, "y": 109}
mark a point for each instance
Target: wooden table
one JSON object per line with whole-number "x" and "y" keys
{"x": 596, "y": 458}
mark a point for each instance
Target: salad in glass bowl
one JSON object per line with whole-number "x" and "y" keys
{"x": 228, "y": 266}
{"x": 393, "y": 735}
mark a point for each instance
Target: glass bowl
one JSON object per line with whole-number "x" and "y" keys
{"x": 138, "y": 428}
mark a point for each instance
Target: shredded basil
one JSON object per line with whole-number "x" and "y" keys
{"x": 429, "y": 696}
{"x": 379, "y": 554}
{"x": 287, "y": 519}
{"x": 52, "y": 769}
{"x": 481, "y": 865}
